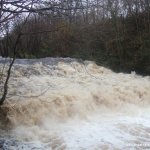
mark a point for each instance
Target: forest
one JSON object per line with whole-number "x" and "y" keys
{"x": 113, "y": 33}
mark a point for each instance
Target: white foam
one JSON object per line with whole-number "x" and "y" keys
{"x": 72, "y": 105}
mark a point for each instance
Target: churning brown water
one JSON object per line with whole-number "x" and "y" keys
{"x": 65, "y": 104}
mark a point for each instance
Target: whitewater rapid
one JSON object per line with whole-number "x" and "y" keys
{"x": 69, "y": 104}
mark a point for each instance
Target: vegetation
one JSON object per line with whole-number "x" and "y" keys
{"x": 113, "y": 33}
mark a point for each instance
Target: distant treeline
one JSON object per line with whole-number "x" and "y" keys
{"x": 114, "y": 33}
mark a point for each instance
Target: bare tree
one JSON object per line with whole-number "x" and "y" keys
{"x": 11, "y": 9}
